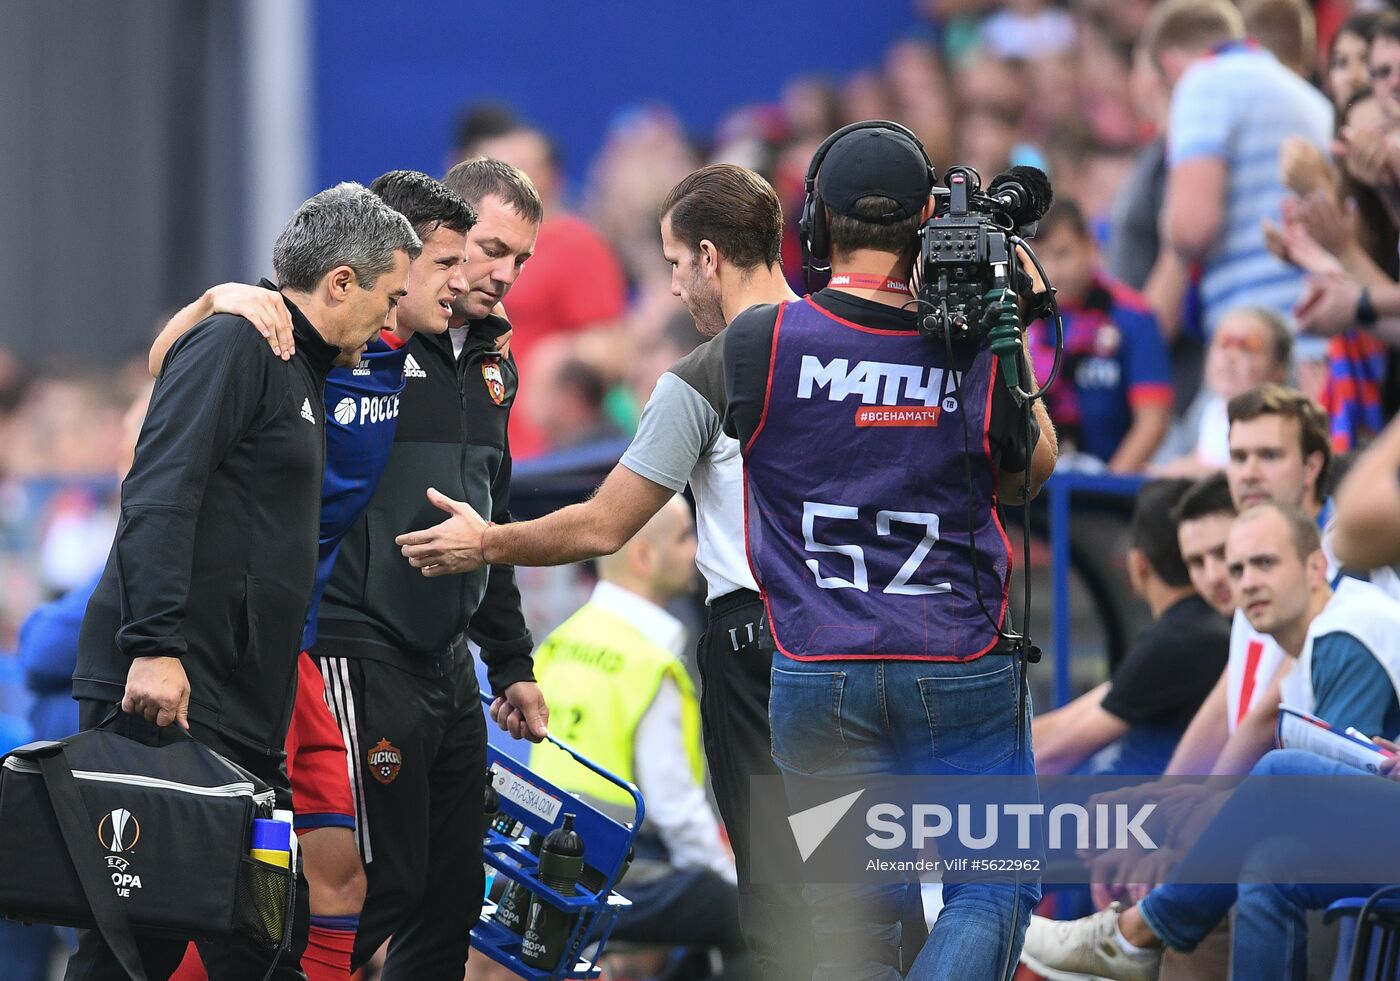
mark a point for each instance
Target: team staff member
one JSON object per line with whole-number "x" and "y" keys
{"x": 391, "y": 643}
{"x": 1280, "y": 453}
{"x": 219, "y": 521}
{"x": 361, "y": 414}
{"x": 881, "y": 600}
{"x": 721, "y": 230}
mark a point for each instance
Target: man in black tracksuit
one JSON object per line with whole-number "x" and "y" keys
{"x": 197, "y": 616}
{"x": 392, "y": 644}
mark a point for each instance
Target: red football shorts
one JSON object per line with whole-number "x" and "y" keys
{"x": 316, "y": 765}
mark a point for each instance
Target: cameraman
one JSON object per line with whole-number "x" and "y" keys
{"x": 856, "y": 462}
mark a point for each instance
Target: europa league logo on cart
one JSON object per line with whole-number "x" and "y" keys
{"x": 119, "y": 831}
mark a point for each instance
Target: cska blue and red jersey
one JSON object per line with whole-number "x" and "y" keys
{"x": 1114, "y": 360}
{"x": 362, "y": 410}
{"x": 857, "y": 498}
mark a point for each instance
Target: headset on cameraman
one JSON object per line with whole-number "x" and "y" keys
{"x": 811, "y": 226}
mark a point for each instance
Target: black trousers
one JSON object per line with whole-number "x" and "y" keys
{"x": 735, "y": 656}
{"x": 417, "y": 748}
{"x": 223, "y": 960}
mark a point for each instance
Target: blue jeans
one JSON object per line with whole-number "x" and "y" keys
{"x": 1270, "y": 936}
{"x": 853, "y": 718}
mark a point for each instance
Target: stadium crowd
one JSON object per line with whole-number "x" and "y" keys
{"x": 596, "y": 323}
{"x": 1224, "y": 245}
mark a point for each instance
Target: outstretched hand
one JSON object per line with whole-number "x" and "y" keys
{"x": 449, "y": 547}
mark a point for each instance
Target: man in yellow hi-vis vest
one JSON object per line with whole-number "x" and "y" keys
{"x": 619, "y": 693}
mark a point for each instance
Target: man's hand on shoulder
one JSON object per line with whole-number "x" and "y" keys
{"x": 262, "y": 308}
{"x": 449, "y": 547}
{"x": 158, "y": 690}
{"x": 502, "y": 342}
{"x": 522, "y": 712}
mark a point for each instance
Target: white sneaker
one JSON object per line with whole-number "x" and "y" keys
{"x": 1058, "y": 948}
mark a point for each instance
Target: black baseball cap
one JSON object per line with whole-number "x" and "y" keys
{"x": 875, "y": 161}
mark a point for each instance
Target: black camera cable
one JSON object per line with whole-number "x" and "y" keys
{"x": 1022, "y": 648}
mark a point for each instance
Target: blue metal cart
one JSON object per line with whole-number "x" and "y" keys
{"x": 540, "y": 806}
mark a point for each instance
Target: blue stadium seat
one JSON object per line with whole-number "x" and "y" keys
{"x": 1374, "y": 953}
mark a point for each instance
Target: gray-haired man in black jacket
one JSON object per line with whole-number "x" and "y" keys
{"x": 197, "y": 618}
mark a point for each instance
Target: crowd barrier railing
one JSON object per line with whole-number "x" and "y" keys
{"x": 1059, "y": 492}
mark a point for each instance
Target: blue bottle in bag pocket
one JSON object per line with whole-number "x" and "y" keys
{"x": 272, "y": 842}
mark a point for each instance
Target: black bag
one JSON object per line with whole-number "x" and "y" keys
{"x": 106, "y": 832}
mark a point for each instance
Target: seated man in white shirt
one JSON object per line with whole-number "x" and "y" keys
{"x": 625, "y": 700}
{"x": 1347, "y": 647}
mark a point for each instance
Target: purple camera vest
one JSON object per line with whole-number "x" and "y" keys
{"x": 856, "y": 495}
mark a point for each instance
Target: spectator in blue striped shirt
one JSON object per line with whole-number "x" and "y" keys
{"x": 1233, "y": 106}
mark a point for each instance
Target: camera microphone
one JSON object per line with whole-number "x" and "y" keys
{"x": 1024, "y": 192}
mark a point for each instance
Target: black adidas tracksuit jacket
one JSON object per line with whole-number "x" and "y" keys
{"x": 452, "y": 436}
{"x": 216, "y": 548}
{"x": 398, "y": 679}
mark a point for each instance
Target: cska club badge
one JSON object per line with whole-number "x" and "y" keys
{"x": 385, "y": 761}
{"x": 495, "y": 384}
